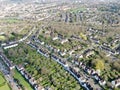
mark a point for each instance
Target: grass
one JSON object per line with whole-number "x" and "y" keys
{"x": 2, "y": 81}
{"x": 22, "y": 80}
{"x": 77, "y": 9}
{"x": 9, "y": 20}
{"x": 5, "y": 87}
{"x": 2, "y": 37}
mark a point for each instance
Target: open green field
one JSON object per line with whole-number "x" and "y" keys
{"x": 77, "y": 9}
{"x": 2, "y": 80}
{"x": 22, "y": 80}
{"x": 2, "y": 38}
{"x": 5, "y": 87}
{"x": 10, "y": 20}
{"x": 3, "y": 83}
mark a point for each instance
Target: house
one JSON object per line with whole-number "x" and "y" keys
{"x": 1, "y": 33}
{"x": 64, "y": 41}
{"x": 75, "y": 48}
{"x": 7, "y": 62}
{"x": 118, "y": 49}
{"x": 92, "y": 72}
{"x": 102, "y": 82}
{"x": 116, "y": 83}
{"x": 60, "y": 36}
{"x": 42, "y": 43}
{"x": 3, "y": 44}
{"x": 12, "y": 67}
{"x": 89, "y": 71}
{"x": 89, "y": 86}
{"x": 70, "y": 52}
{"x": 80, "y": 56}
{"x": 94, "y": 40}
{"x": 32, "y": 81}
{"x": 88, "y": 53}
{"x": 98, "y": 72}
{"x": 55, "y": 38}
{"x": 54, "y": 49}
{"x": 82, "y": 79}
{"x": 66, "y": 65}
{"x": 76, "y": 62}
{"x": 47, "y": 32}
{"x": 62, "y": 53}
{"x": 75, "y": 37}
{"x": 19, "y": 67}
{"x": 28, "y": 77}
{"x": 76, "y": 69}
{"x": 22, "y": 72}
{"x": 37, "y": 87}
{"x": 10, "y": 45}
{"x": 95, "y": 76}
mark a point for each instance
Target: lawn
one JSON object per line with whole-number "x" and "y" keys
{"x": 5, "y": 87}
{"x": 77, "y": 9}
{"x": 3, "y": 83}
{"x": 10, "y": 20}
{"x": 22, "y": 80}
{"x": 2, "y": 80}
{"x": 2, "y": 38}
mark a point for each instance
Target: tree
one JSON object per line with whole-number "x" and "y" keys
{"x": 109, "y": 39}
{"x": 35, "y": 72}
{"x": 99, "y": 65}
{"x": 116, "y": 65}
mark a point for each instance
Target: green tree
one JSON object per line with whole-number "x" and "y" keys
{"x": 99, "y": 65}
{"x": 109, "y": 39}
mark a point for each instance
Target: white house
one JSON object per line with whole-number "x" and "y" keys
{"x": 116, "y": 83}
{"x": 10, "y": 46}
{"x": 64, "y": 40}
{"x": 102, "y": 82}
{"x": 55, "y": 38}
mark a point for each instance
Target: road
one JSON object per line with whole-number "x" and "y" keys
{"x": 7, "y": 74}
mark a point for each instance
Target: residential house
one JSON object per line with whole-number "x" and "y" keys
{"x": 70, "y": 52}
{"x": 7, "y": 62}
{"x": 10, "y": 45}
{"x": 63, "y": 53}
{"x": 60, "y": 36}
{"x": 54, "y": 36}
{"x": 118, "y": 49}
{"x": 116, "y": 83}
{"x": 88, "y": 53}
{"x": 47, "y": 32}
{"x": 102, "y": 82}
{"x": 64, "y": 41}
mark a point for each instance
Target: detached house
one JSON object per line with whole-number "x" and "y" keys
{"x": 88, "y": 53}
{"x": 64, "y": 41}
{"x": 55, "y": 38}
{"x": 116, "y": 83}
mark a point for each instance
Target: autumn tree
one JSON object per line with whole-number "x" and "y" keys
{"x": 98, "y": 64}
